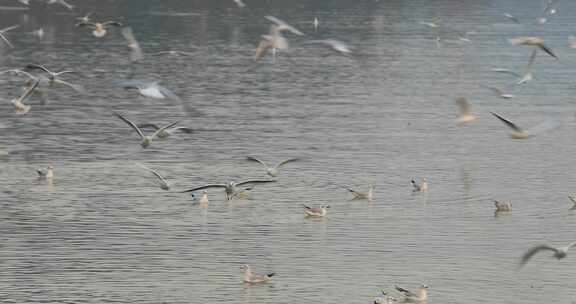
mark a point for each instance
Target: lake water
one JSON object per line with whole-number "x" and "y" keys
{"x": 103, "y": 231}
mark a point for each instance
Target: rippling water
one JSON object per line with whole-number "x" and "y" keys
{"x": 104, "y": 232}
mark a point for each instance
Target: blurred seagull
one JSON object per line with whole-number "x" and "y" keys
{"x": 532, "y": 41}
{"x": 385, "y": 299}
{"x": 136, "y": 53}
{"x": 230, "y": 188}
{"x": 161, "y": 180}
{"x": 3, "y": 34}
{"x": 503, "y": 206}
{"x": 47, "y": 173}
{"x": 61, "y": 2}
{"x": 369, "y": 195}
{"x": 172, "y": 53}
{"x": 519, "y": 133}
{"x": 99, "y": 29}
{"x": 272, "y": 171}
{"x": 166, "y": 132}
{"x": 572, "y": 198}
{"x": 239, "y": 3}
{"x": 202, "y": 200}
{"x": 423, "y": 187}
{"x": 53, "y": 78}
{"x": 146, "y": 140}
{"x": 148, "y": 89}
{"x": 499, "y": 93}
{"x": 316, "y": 23}
{"x": 252, "y": 278}
{"x": 85, "y": 18}
{"x": 420, "y": 296}
{"x": 283, "y": 26}
{"x": 335, "y": 45}
{"x": 51, "y": 75}
{"x": 509, "y": 16}
{"x": 465, "y": 116}
{"x": 527, "y": 77}
{"x": 18, "y": 103}
{"x": 316, "y": 212}
{"x": 273, "y": 41}
{"x": 559, "y": 253}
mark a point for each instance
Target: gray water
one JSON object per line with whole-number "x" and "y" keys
{"x": 103, "y": 231}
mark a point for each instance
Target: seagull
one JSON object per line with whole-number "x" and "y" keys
{"x": 230, "y": 188}
{"x": 519, "y": 133}
{"x": 283, "y": 26}
{"x": 499, "y": 93}
{"x": 509, "y": 16}
{"x": 252, "y": 278}
{"x": 503, "y": 206}
{"x": 47, "y": 173}
{"x": 528, "y": 70}
{"x": 559, "y": 253}
{"x": 362, "y": 195}
{"x": 423, "y": 187}
{"x": 316, "y": 23}
{"x": 148, "y": 89}
{"x": 136, "y": 53}
{"x": 61, "y": 2}
{"x": 18, "y": 103}
{"x": 465, "y": 116}
{"x": 273, "y": 41}
{"x": 316, "y": 212}
{"x": 532, "y": 41}
{"x": 3, "y": 34}
{"x": 161, "y": 180}
{"x": 146, "y": 140}
{"x": 202, "y": 200}
{"x": 572, "y": 198}
{"x": 239, "y": 3}
{"x": 385, "y": 299}
{"x": 335, "y": 45}
{"x": 272, "y": 171}
{"x": 53, "y": 78}
{"x": 420, "y": 296}
{"x": 166, "y": 132}
{"x": 99, "y": 28}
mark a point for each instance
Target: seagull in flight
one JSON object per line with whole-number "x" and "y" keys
{"x": 519, "y": 133}
{"x": 18, "y": 103}
{"x": 47, "y": 173}
{"x": 161, "y": 180}
{"x": 499, "y": 93}
{"x": 99, "y": 29}
{"x": 465, "y": 116}
{"x": 532, "y": 41}
{"x": 53, "y": 77}
{"x": 283, "y": 26}
{"x": 273, "y": 41}
{"x": 337, "y": 46}
{"x": 250, "y": 277}
{"x": 423, "y": 187}
{"x": 61, "y": 2}
{"x": 272, "y": 171}
{"x": 166, "y": 132}
{"x": 559, "y": 253}
{"x": 146, "y": 140}
{"x": 511, "y": 17}
{"x": 149, "y": 89}
{"x": 420, "y": 296}
{"x": 230, "y": 188}
{"x": 136, "y": 53}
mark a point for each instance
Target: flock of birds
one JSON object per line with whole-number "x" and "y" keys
{"x": 38, "y": 78}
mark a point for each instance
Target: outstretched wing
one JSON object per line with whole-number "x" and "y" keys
{"x": 282, "y": 163}
{"x": 256, "y": 160}
{"x": 204, "y": 187}
{"x": 464, "y": 105}
{"x": 528, "y": 255}
{"x": 406, "y": 292}
{"x": 168, "y": 126}
{"x": 131, "y": 124}
{"x": 507, "y": 122}
{"x": 255, "y": 182}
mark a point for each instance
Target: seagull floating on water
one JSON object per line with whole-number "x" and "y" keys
{"x": 503, "y": 206}
{"x": 316, "y": 212}
{"x": 250, "y": 277}
{"x": 272, "y": 171}
{"x": 230, "y": 188}
{"x": 420, "y": 296}
{"x": 422, "y": 187}
{"x": 47, "y": 173}
{"x": 559, "y": 253}
{"x": 146, "y": 140}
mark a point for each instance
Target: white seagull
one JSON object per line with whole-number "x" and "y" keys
{"x": 230, "y": 188}
{"x": 47, "y": 173}
{"x": 166, "y": 132}
{"x": 559, "y": 253}
{"x": 499, "y": 93}
{"x": 149, "y": 89}
{"x": 503, "y": 206}
{"x": 316, "y": 212}
{"x": 250, "y": 277}
{"x": 519, "y": 133}
{"x": 272, "y": 171}
{"x": 136, "y": 53}
{"x": 146, "y": 140}
{"x": 99, "y": 29}
{"x": 420, "y": 296}
{"x": 423, "y": 187}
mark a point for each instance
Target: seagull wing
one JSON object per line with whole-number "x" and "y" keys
{"x": 255, "y": 182}
{"x": 406, "y": 292}
{"x": 33, "y": 66}
{"x": 507, "y": 122}
{"x": 111, "y": 23}
{"x": 168, "y": 93}
{"x": 160, "y": 177}
{"x": 4, "y": 30}
{"x": 83, "y": 24}
{"x": 262, "y": 49}
{"x": 282, "y": 163}
{"x": 168, "y": 126}
{"x": 131, "y": 124}
{"x": 29, "y": 91}
{"x": 547, "y": 50}
{"x": 148, "y": 125}
{"x": 464, "y": 105}
{"x": 204, "y": 187}
{"x": 257, "y": 160}
{"x": 505, "y": 71}
{"x": 282, "y": 25}
{"x": 76, "y": 87}
{"x": 533, "y": 251}
{"x": 133, "y": 44}
{"x": 6, "y": 40}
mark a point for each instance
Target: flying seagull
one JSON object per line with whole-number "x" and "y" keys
{"x": 465, "y": 114}
{"x": 283, "y": 26}
{"x": 559, "y": 253}
{"x": 18, "y": 103}
{"x": 230, "y": 188}
{"x": 149, "y": 89}
{"x": 99, "y": 29}
{"x": 532, "y": 41}
{"x": 499, "y": 93}
{"x": 519, "y": 133}
{"x": 146, "y": 140}
{"x": 272, "y": 171}
{"x": 337, "y": 46}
